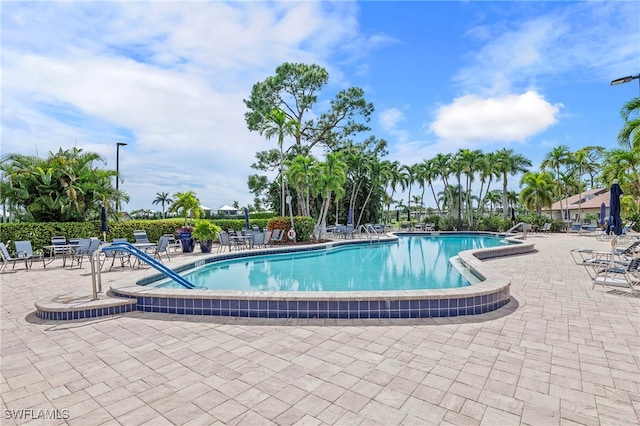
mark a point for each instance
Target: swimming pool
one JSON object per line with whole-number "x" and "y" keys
{"x": 491, "y": 294}
{"x": 417, "y": 262}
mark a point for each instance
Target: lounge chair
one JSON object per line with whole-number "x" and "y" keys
{"x": 585, "y": 255}
{"x": 545, "y": 228}
{"x": 575, "y": 227}
{"x": 619, "y": 276}
{"x": 19, "y": 257}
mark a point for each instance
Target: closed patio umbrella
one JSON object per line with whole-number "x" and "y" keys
{"x": 350, "y": 216}
{"x": 246, "y": 218}
{"x": 615, "y": 223}
{"x": 103, "y": 225}
{"x": 603, "y": 213}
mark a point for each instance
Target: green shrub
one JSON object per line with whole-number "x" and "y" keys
{"x": 303, "y": 225}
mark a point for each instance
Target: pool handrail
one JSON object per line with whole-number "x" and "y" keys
{"x": 142, "y": 256}
{"x": 368, "y": 232}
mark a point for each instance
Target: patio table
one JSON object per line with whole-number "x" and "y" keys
{"x": 56, "y": 250}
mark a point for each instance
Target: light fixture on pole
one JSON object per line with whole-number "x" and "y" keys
{"x": 626, "y": 79}
{"x": 289, "y": 198}
{"x": 118, "y": 145}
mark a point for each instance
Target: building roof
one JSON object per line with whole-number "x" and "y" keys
{"x": 591, "y": 199}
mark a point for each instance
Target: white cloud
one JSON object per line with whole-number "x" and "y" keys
{"x": 390, "y": 117}
{"x": 168, "y": 78}
{"x": 572, "y": 41}
{"x": 509, "y": 118}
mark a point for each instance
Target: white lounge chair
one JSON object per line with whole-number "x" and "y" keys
{"x": 619, "y": 276}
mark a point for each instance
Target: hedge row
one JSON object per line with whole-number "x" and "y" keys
{"x": 40, "y": 233}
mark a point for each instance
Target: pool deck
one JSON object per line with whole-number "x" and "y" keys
{"x": 559, "y": 353}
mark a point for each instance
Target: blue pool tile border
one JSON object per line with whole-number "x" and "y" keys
{"x": 391, "y": 305}
{"x": 67, "y": 315}
{"x": 341, "y": 309}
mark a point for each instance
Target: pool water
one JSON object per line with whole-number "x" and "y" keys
{"x": 411, "y": 263}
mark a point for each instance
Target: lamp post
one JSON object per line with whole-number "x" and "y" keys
{"x": 290, "y": 212}
{"x": 626, "y": 79}
{"x": 118, "y": 145}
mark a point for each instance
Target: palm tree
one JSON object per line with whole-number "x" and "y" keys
{"x": 299, "y": 172}
{"x": 186, "y": 203}
{"x": 64, "y": 187}
{"x": 442, "y": 165}
{"x": 408, "y": 176}
{"x": 494, "y": 197}
{"x": 537, "y": 191}
{"x": 555, "y": 159}
{"x": 629, "y": 136}
{"x": 487, "y": 170}
{"x": 470, "y": 162}
{"x": 395, "y": 179}
{"x": 623, "y": 165}
{"x": 509, "y": 163}
{"x": 281, "y": 126}
{"x": 428, "y": 174}
{"x": 162, "y": 198}
{"x": 376, "y": 171}
{"x": 330, "y": 177}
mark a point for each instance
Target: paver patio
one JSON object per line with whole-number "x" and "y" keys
{"x": 559, "y": 353}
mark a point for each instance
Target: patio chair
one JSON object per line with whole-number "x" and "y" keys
{"x": 87, "y": 249}
{"x": 276, "y": 237}
{"x": 78, "y": 252}
{"x": 173, "y": 243}
{"x": 19, "y": 257}
{"x": 162, "y": 247}
{"x": 619, "y": 276}
{"x": 267, "y": 237}
{"x": 60, "y": 247}
{"x": 545, "y": 228}
{"x": 122, "y": 256}
{"x": 225, "y": 241}
{"x": 258, "y": 240}
{"x": 141, "y": 236}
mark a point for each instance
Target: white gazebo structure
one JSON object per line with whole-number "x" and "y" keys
{"x": 227, "y": 209}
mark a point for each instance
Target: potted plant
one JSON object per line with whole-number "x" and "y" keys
{"x": 205, "y": 232}
{"x": 185, "y": 234}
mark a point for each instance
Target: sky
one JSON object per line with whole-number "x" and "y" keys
{"x": 168, "y": 78}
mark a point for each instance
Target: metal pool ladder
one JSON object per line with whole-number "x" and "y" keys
{"x": 369, "y": 230}
{"x": 96, "y": 278}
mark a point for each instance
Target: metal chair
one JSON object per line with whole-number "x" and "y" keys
{"x": 19, "y": 257}
{"x": 123, "y": 256}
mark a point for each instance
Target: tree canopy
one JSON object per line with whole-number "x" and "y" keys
{"x": 67, "y": 186}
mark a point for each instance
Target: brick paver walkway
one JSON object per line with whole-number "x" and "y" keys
{"x": 559, "y": 353}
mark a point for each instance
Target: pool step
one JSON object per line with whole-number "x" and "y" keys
{"x": 72, "y": 306}
{"x": 466, "y": 273}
